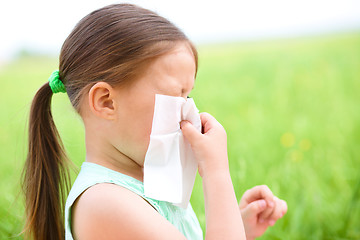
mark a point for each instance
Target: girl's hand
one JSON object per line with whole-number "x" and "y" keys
{"x": 260, "y": 209}
{"x": 209, "y": 147}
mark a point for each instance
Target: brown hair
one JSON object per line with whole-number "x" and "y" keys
{"x": 111, "y": 44}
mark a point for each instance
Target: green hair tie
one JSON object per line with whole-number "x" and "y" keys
{"x": 55, "y": 83}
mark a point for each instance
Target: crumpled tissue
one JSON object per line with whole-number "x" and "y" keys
{"x": 170, "y": 165}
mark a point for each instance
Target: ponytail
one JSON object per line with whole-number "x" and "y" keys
{"x": 45, "y": 176}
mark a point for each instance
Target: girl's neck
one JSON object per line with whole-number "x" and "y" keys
{"x": 113, "y": 159}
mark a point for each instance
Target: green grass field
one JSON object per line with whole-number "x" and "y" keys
{"x": 291, "y": 111}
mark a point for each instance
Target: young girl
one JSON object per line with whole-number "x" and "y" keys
{"x": 111, "y": 66}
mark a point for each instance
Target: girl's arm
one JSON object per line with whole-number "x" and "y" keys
{"x": 223, "y": 218}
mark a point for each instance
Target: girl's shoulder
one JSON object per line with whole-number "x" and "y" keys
{"x": 108, "y": 211}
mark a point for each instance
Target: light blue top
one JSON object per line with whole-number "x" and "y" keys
{"x": 90, "y": 174}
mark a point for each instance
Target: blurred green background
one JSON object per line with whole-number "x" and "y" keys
{"x": 291, "y": 111}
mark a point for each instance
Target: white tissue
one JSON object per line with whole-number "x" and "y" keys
{"x": 170, "y": 166}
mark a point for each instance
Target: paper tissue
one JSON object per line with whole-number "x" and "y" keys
{"x": 170, "y": 166}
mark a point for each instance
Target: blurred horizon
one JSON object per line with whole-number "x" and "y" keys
{"x": 39, "y": 27}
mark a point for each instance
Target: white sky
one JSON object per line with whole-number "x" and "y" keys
{"x": 43, "y": 25}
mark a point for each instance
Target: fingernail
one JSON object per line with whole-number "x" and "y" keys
{"x": 261, "y": 220}
{"x": 271, "y": 204}
{"x": 182, "y": 123}
{"x": 271, "y": 222}
{"x": 262, "y": 204}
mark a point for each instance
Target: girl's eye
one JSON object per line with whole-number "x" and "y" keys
{"x": 188, "y": 97}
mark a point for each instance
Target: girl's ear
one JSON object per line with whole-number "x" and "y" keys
{"x": 102, "y": 101}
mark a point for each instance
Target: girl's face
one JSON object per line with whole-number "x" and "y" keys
{"x": 172, "y": 74}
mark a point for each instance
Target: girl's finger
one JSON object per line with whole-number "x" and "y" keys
{"x": 208, "y": 122}
{"x": 284, "y": 207}
{"x": 267, "y": 212}
{"x": 253, "y": 209}
{"x": 278, "y": 211}
{"x": 190, "y": 132}
{"x": 256, "y": 193}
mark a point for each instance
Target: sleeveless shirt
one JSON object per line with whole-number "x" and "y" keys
{"x": 90, "y": 174}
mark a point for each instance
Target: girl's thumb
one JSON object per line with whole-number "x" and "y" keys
{"x": 254, "y": 208}
{"x": 190, "y": 132}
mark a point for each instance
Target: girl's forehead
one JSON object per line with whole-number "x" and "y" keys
{"x": 178, "y": 61}
{"x": 170, "y": 74}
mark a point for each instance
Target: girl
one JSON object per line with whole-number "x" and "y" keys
{"x": 111, "y": 66}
